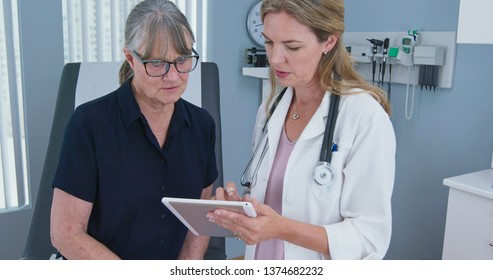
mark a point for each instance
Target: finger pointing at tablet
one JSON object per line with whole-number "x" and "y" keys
{"x": 229, "y": 192}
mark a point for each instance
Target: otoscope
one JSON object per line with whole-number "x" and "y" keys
{"x": 384, "y": 61}
{"x": 376, "y": 43}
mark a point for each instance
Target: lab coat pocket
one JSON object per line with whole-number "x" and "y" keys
{"x": 332, "y": 191}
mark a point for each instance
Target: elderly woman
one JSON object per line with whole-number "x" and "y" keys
{"x": 124, "y": 151}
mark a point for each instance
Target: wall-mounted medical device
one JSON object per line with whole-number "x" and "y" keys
{"x": 413, "y": 58}
{"x": 405, "y": 49}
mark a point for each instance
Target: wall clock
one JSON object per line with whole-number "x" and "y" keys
{"x": 255, "y": 27}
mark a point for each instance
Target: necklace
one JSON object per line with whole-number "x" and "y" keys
{"x": 297, "y": 114}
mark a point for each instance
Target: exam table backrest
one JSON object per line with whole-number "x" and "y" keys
{"x": 75, "y": 76}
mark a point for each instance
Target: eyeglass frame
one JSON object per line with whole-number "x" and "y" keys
{"x": 145, "y": 61}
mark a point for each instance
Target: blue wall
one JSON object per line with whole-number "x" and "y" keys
{"x": 450, "y": 133}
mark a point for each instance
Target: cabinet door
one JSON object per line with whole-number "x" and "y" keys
{"x": 470, "y": 206}
{"x": 466, "y": 239}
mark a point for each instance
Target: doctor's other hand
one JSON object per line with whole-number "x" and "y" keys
{"x": 229, "y": 192}
{"x": 267, "y": 225}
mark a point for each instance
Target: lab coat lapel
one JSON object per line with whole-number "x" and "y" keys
{"x": 276, "y": 124}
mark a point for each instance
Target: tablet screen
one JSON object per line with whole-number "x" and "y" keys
{"x": 193, "y": 213}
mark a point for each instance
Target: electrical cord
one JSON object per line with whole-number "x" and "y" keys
{"x": 409, "y": 115}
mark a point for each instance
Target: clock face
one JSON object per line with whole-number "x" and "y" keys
{"x": 255, "y": 26}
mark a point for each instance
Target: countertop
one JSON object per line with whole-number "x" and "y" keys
{"x": 479, "y": 183}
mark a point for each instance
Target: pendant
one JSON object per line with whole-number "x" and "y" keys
{"x": 296, "y": 116}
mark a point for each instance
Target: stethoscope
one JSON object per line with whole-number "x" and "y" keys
{"x": 323, "y": 174}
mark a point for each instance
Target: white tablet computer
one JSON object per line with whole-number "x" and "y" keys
{"x": 193, "y": 213}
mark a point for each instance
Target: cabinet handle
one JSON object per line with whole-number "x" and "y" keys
{"x": 491, "y": 244}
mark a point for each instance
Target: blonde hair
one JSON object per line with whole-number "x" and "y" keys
{"x": 156, "y": 23}
{"x": 335, "y": 69}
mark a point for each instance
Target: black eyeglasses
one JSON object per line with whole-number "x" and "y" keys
{"x": 159, "y": 68}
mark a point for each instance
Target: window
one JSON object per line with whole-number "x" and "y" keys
{"x": 14, "y": 192}
{"x": 93, "y": 29}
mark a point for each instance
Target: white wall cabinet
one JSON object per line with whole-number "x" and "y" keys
{"x": 469, "y": 225}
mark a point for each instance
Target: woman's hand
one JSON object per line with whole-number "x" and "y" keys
{"x": 267, "y": 225}
{"x": 229, "y": 193}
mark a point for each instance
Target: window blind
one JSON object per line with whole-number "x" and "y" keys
{"x": 13, "y": 165}
{"x": 94, "y": 29}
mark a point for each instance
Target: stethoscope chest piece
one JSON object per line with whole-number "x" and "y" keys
{"x": 323, "y": 174}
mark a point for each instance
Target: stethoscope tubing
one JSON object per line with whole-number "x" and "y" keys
{"x": 243, "y": 181}
{"x": 326, "y": 151}
{"x": 323, "y": 168}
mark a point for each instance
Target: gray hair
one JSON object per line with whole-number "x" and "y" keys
{"x": 156, "y": 24}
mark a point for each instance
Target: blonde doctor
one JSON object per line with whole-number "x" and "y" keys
{"x": 299, "y": 218}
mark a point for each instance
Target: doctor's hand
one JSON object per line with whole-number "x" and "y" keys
{"x": 229, "y": 192}
{"x": 267, "y": 225}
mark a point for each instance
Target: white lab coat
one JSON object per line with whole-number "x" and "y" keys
{"x": 355, "y": 210}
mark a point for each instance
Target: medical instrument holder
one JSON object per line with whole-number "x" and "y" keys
{"x": 434, "y": 48}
